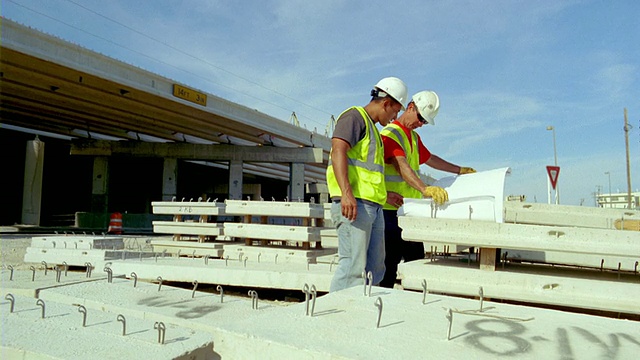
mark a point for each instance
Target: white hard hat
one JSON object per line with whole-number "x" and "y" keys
{"x": 393, "y": 87}
{"x": 428, "y": 104}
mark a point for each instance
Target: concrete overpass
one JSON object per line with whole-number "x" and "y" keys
{"x": 106, "y": 107}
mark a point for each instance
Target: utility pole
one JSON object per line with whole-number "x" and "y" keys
{"x": 627, "y": 128}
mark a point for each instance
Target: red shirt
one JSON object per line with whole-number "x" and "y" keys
{"x": 393, "y": 149}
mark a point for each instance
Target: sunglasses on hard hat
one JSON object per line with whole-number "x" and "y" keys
{"x": 422, "y": 120}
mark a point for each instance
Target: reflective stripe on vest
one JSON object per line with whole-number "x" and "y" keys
{"x": 365, "y": 165}
{"x": 393, "y": 179}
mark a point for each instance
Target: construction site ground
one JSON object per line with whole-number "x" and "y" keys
{"x": 183, "y": 322}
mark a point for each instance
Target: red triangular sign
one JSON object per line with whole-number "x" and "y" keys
{"x": 553, "y": 172}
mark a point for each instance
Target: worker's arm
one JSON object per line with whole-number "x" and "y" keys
{"x": 438, "y": 194}
{"x": 407, "y": 173}
{"x": 440, "y": 164}
{"x": 339, "y": 150}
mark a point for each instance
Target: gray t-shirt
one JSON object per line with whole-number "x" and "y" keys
{"x": 350, "y": 127}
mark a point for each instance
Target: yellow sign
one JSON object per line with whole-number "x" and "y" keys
{"x": 189, "y": 95}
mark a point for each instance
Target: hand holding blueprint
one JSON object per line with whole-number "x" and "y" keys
{"x": 477, "y": 196}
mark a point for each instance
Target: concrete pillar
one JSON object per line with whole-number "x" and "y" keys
{"x": 32, "y": 190}
{"x": 296, "y": 182}
{"x": 169, "y": 179}
{"x": 100, "y": 185}
{"x": 235, "y": 180}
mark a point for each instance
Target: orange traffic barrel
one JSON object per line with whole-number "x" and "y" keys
{"x": 115, "y": 224}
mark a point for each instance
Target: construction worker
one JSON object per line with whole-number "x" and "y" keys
{"x": 404, "y": 152}
{"x": 355, "y": 177}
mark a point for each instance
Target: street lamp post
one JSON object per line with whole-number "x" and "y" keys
{"x": 555, "y": 161}
{"x": 609, "y": 199}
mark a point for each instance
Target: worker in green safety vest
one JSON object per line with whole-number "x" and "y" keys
{"x": 404, "y": 152}
{"x": 355, "y": 177}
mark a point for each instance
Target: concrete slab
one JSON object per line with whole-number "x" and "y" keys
{"x": 61, "y": 334}
{"x": 585, "y": 260}
{"x": 188, "y": 208}
{"x": 78, "y": 242}
{"x": 97, "y": 258}
{"x": 263, "y": 274}
{"x": 351, "y": 324}
{"x": 29, "y": 283}
{"x": 532, "y": 284}
{"x": 275, "y": 254}
{"x": 565, "y": 215}
{"x": 344, "y": 326}
{"x": 624, "y": 244}
{"x": 275, "y": 208}
{"x": 188, "y": 228}
{"x": 272, "y": 232}
{"x": 189, "y": 248}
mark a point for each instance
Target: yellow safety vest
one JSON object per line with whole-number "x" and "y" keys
{"x": 365, "y": 165}
{"x": 392, "y": 177}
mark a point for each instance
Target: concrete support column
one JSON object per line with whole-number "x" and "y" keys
{"x": 32, "y": 190}
{"x": 296, "y": 182}
{"x": 169, "y": 179}
{"x": 235, "y": 180}
{"x": 100, "y": 185}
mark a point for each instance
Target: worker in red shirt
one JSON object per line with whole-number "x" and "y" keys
{"x": 404, "y": 152}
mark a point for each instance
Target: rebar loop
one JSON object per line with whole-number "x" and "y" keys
{"x": 135, "y": 278}
{"x": 307, "y": 295}
{"x": 109, "y": 274}
{"x": 11, "y": 274}
{"x": 378, "y": 304}
{"x": 254, "y": 299}
{"x": 449, "y": 317}
{"x": 364, "y": 283}
{"x": 481, "y": 294}
{"x": 195, "y": 286}
{"x": 314, "y": 294}
{"x": 89, "y": 268}
{"x": 159, "y": 278}
{"x": 161, "y": 330}
{"x": 219, "y": 288}
{"x": 124, "y": 323}
{"x": 40, "y": 303}
{"x": 12, "y": 300}
{"x": 44, "y": 263}
{"x": 83, "y": 310}
{"x": 370, "y": 279}
{"x": 424, "y": 291}
{"x": 33, "y": 273}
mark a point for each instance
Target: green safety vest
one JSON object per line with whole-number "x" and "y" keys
{"x": 392, "y": 178}
{"x": 365, "y": 165}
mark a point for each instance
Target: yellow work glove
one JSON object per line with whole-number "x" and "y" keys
{"x": 466, "y": 170}
{"x": 438, "y": 194}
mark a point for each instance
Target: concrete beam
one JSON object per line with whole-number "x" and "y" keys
{"x": 188, "y": 208}
{"x": 532, "y": 284}
{"x": 523, "y": 237}
{"x": 186, "y": 151}
{"x": 187, "y": 228}
{"x": 564, "y": 215}
{"x": 275, "y": 208}
{"x": 272, "y": 232}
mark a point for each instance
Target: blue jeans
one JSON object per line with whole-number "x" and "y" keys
{"x": 360, "y": 245}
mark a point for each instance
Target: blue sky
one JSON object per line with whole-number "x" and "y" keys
{"x": 504, "y": 70}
